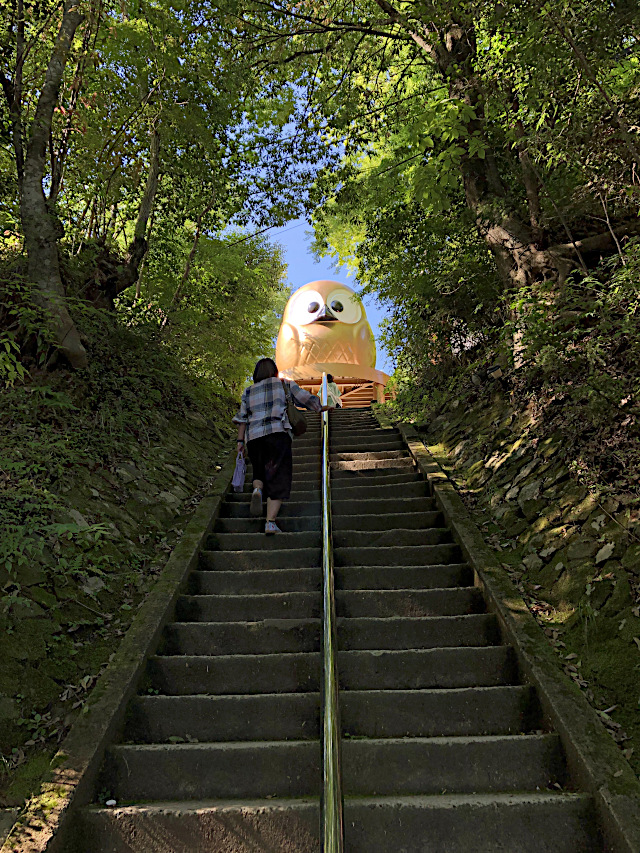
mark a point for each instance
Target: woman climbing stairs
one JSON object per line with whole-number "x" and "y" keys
{"x": 444, "y": 749}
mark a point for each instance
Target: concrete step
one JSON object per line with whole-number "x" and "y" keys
{"x": 190, "y": 675}
{"x": 486, "y": 666}
{"x": 296, "y": 716}
{"x": 358, "y": 522}
{"x": 408, "y": 602}
{"x": 394, "y": 464}
{"x": 258, "y": 542}
{"x": 374, "y": 436}
{"x": 425, "y": 632}
{"x": 438, "y": 713}
{"x": 249, "y": 608}
{"x": 195, "y": 771}
{"x": 388, "y": 766}
{"x": 250, "y": 524}
{"x": 245, "y": 717}
{"x": 269, "y": 557}
{"x": 306, "y": 469}
{"x": 254, "y": 581}
{"x": 375, "y": 476}
{"x": 539, "y": 822}
{"x": 341, "y": 489}
{"x": 372, "y": 443}
{"x": 303, "y": 635}
{"x": 244, "y": 638}
{"x": 343, "y": 502}
{"x": 307, "y": 605}
{"x": 290, "y": 509}
{"x": 403, "y": 577}
{"x": 300, "y": 495}
{"x": 421, "y": 669}
{"x": 388, "y": 521}
{"x": 398, "y": 537}
{"x": 187, "y": 826}
{"x": 416, "y": 555}
{"x": 355, "y": 433}
{"x": 400, "y": 766}
{"x": 257, "y": 581}
{"x": 367, "y": 453}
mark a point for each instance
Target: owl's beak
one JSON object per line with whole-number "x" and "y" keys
{"x": 326, "y": 316}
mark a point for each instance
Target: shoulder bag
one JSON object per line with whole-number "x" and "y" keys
{"x": 296, "y": 418}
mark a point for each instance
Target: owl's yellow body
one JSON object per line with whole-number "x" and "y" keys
{"x": 324, "y": 322}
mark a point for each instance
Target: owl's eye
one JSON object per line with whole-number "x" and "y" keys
{"x": 303, "y": 307}
{"x": 345, "y": 305}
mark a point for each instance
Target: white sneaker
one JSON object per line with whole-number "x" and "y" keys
{"x": 271, "y": 527}
{"x": 255, "y": 507}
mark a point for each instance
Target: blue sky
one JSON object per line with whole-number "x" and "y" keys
{"x": 303, "y": 268}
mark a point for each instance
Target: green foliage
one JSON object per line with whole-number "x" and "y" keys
{"x": 226, "y": 313}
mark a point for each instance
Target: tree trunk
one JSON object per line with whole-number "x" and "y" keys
{"x": 111, "y": 277}
{"x": 194, "y": 247}
{"x": 41, "y": 230}
{"x": 59, "y": 155}
{"x": 515, "y": 244}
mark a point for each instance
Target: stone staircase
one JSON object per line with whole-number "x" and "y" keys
{"x": 444, "y": 749}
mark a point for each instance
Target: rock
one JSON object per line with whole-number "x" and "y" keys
{"x": 14, "y": 646}
{"x": 144, "y": 486}
{"x": 512, "y": 493}
{"x": 581, "y": 550}
{"x": 533, "y": 562}
{"x": 24, "y": 608}
{"x": 532, "y": 509}
{"x": 8, "y": 708}
{"x": 631, "y": 559}
{"x": 529, "y": 491}
{"x": 127, "y": 473}
{"x": 31, "y": 574}
{"x": 179, "y": 493}
{"x": 506, "y": 514}
{"x": 583, "y": 509}
{"x": 79, "y": 519}
{"x": 605, "y": 552}
{"x": 547, "y": 448}
{"x": 169, "y": 498}
{"x": 517, "y": 527}
{"x": 548, "y": 551}
{"x": 524, "y": 473}
{"x": 141, "y": 498}
{"x": 43, "y": 597}
{"x": 92, "y": 586}
{"x": 572, "y": 494}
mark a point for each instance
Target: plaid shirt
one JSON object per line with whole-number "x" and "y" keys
{"x": 264, "y": 407}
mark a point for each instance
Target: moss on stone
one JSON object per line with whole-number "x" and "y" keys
{"x": 522, "y": 493}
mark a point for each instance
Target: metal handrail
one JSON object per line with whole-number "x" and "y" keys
{"x": 331, "y": 828}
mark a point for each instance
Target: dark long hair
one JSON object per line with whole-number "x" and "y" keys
{"x": 264, "y": 369}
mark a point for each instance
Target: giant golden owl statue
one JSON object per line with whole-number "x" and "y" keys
{"x": 325, "y": 322}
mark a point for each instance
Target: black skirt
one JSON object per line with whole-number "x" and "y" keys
{"x": 272, "y": 463}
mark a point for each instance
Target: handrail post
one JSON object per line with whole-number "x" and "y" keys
{"x": 331, "y": 829}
